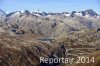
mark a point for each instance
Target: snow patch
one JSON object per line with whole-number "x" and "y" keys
{"x": 78, "y": 14}
{"x": 67, "y": 14}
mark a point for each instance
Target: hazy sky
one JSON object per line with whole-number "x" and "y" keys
{"x": 50, "y": 5}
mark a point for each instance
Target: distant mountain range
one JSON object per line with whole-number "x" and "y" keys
{"x": 85, "y": 13}
{"x": 49, "y": 24}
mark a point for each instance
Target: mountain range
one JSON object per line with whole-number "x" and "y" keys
{"x": 26, "y": 36}
{"x": 48, "y": 24}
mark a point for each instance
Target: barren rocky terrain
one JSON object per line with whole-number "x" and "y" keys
{"x": 26, "y": 36}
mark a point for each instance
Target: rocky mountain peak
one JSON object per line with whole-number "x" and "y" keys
{"x": 73, "y": 13}
{"x": 89, "y": 12}
{"x": 26, "y": 12}
{"x": 86, "y": 13}
{"x": 39, "y": 13}
{"x": 2, "y": 13}
{"x": 13, "y": 13}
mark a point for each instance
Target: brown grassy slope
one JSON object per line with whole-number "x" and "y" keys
{"x": 96, "y": 55}
{"x": 20, "y": 51}
{"x": 25, "y": 50}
